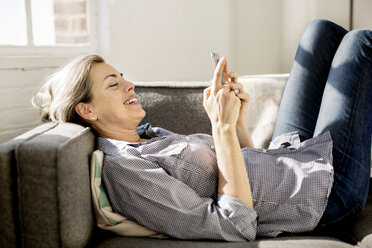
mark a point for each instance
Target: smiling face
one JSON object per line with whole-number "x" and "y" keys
{"x": 114, "y": 102}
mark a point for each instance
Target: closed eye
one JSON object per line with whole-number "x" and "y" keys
{"x": 113, "y": 85}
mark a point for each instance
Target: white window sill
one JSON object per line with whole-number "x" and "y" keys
{"x": 30, "y": 62}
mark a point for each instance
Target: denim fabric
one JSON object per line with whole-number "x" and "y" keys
{"x": 330, "y": 89}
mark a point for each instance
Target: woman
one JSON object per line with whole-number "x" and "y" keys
{"x": 219, "y": 186}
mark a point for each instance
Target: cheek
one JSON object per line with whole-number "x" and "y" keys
{"x": 106, "y": 105}
{"x": 111, "y": 108}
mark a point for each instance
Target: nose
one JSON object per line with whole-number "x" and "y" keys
{"x": 128, "y": 86}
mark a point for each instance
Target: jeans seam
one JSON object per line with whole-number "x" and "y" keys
{"x": 355, "y": 106}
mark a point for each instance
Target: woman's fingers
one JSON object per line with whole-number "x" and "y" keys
{"x": 206, "y": 94}
{"x": 237, "y": 88}
{"x": 220, "y": 71}
{"x": 225, "y": 69}
{"x": 217, "y": 78}
{"x": 244, "y": 97}
{"x": 225, "y": 103}
{"x": 233, "y": 77}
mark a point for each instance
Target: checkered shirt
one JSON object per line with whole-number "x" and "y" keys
{"x": 169, "y": 184}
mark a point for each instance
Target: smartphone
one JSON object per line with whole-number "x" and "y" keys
{"x": 215, "y": 58}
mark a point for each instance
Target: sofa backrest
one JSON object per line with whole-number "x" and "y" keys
{"x": 178, "y": 109}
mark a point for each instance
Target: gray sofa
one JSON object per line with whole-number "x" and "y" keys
{"x": 45, "y": 188}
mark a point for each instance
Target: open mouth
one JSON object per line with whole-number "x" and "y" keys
{"x": 131, "y": 101}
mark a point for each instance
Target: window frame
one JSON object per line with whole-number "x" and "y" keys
{"x": 15, "y": 56}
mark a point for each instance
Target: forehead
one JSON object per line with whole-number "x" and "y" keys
{"x": 99, "y": 72}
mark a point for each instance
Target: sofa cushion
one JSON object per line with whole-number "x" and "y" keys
{"x": 265, "y": 92}
{"x": 105, "y": 217}
{"x": 54, "y": 187}
{"x": 294, "y": 242}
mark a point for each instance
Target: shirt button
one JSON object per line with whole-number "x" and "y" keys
{"x": 212, "y": 147}
{"x": 187, "y": 138}
{"x": 264, "y": 150}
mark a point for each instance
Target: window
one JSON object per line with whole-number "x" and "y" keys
{"x": 58, "y": 27}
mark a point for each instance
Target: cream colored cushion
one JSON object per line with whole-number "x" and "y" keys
{"x": 265, "y": 92}
{"x": 105, "y": 217}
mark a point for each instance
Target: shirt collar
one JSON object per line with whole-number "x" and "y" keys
{"x": 146, "y": 131}
{"x": 112, "y": 146}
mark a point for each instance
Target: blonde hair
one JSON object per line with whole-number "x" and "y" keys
{"x": 64, "y": 89}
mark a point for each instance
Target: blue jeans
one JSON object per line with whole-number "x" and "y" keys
{"x": 330, "y": 89}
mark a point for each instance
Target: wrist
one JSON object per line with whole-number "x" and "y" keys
{"x": 223, "y": 128}
{"x": 240, "y": 124}
{"x": 241, "y": 128}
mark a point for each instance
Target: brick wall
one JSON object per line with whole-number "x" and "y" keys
{"x": 70, "y": 21}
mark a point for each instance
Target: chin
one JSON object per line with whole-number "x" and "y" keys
{"x": 141, "y": 114}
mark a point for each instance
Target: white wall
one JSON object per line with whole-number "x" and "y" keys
{"x": 17, "y": 114}
{"x": 19, "y": 82}
{"x": 169, "y": 40}
{"x": 362, "y": 14}
{"x": 258, "y": 36}
{"x": 297, "y": 14}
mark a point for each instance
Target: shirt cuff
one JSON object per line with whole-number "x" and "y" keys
{"x": 240, "y": 214}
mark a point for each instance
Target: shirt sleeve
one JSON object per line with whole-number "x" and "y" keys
{"x": 142, "y": 191}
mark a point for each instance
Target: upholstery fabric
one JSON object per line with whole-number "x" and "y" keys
{"x": 265, "y": 95}
{"x": 54, "y": 192}
{"x": 10, "y": 226}
{"x": 105, "y": 217}
{"x": 367, "y": 241}
{"x": 166, "y": 106}
{"x": 293, "y": 242}
{"x": 363, "y": 225}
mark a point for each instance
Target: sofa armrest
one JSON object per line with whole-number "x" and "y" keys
{"x": 54, "y": 187}
{"x": 9, "y": 219}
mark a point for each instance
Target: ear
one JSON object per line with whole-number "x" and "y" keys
{"x": 84, "y": 111}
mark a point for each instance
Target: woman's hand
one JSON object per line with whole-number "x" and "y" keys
{"x": 220, "y": 101}
{"x": 245, "y": 139}
{"x": 224, "y": 109}
{"x": 243, "y": 96}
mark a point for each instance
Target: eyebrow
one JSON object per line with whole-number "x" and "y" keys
{"x": 112, "y": 75}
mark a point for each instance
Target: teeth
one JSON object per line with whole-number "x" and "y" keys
{"x": 130, "y": 101}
